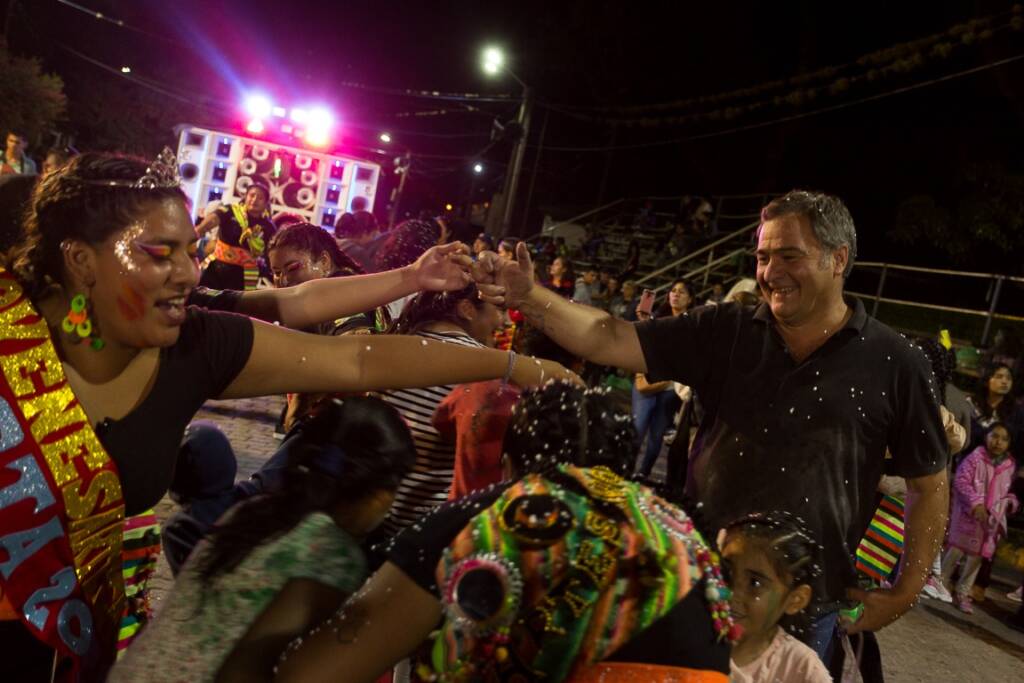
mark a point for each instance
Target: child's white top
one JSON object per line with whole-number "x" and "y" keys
{"x": 786, "y": 660}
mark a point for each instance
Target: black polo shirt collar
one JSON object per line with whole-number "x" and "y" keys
{"x": 856, "y": 322}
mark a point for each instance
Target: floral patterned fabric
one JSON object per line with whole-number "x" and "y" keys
{"x": 197, "y": 627}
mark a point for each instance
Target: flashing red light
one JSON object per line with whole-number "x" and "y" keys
{"x": 255, "y": 127}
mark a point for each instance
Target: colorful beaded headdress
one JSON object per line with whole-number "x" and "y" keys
{"x": 561, "y": 571}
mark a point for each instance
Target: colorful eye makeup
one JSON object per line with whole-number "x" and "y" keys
{"x": 160, "y": 251}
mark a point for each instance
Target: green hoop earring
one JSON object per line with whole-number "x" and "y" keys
{"x": 78, "y": 325}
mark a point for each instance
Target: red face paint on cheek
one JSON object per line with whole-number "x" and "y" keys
{"x": 131, "y": 304}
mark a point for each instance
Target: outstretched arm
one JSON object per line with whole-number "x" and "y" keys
{"x": 587, "y": 332}
{"x": 445, "y": 267}
{"x": 284, "y": 360}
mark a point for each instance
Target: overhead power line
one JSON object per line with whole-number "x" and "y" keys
{"x": 965, "y": 33}
{"x": 120, "y": 23}
{"x": 217, "y": 108}
{"x": 417, "y": 93}
{"x": 792, "y": 117}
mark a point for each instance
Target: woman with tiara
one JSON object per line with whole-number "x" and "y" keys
{"x": 102, "y": 366}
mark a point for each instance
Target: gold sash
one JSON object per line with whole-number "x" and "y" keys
{"x": 61, "y": 505}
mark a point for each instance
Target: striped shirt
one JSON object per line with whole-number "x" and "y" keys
{"x": 427, "y": 485}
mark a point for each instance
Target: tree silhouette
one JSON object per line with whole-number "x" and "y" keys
{"x": 978, "y": 221}
{"x": 30, "y": 100}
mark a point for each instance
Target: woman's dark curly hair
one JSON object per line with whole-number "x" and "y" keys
{"x": 346, "y": 450}
{"x": 70, "y": 204}
{"x": 407, "y": 242}
{"x": 427, "y": 308}
{"x": 316, "y": 242}
{"x": 562, "y": 423}
{"x": 943, "y": 361}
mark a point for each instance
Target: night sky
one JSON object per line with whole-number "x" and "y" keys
{"x": 586, "y": 60}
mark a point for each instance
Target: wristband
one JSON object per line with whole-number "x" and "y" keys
{"x": 510, "y": 368}
{"x": 853, "y": 614}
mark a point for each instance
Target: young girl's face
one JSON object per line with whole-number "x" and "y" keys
{"x": 997, "y": 442}
{"x": 760, "y": 597}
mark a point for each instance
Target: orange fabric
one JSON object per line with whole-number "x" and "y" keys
{"x": 7, "y": 611}
{"x": 624, "y": 672}
{"x": 236, "y": 256}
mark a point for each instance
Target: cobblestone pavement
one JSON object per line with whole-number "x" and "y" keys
{"x": 933, "y": 642}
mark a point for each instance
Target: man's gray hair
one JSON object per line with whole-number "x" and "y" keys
{"x": 830, "y": 220}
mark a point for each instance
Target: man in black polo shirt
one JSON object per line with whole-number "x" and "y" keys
{"x": 803, "y": 396}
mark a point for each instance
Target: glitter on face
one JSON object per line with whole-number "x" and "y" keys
{"x": 123, "y": 246}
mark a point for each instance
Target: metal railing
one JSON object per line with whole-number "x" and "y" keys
{"x": 725, "y": 249}
{"x": 711, "y": 261}
{"x": 719, "y": 202}
{"x": 574, "y": 219}
{"x": 994, "y": 291}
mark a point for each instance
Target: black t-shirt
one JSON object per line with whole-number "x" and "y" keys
{"x": 808, "y": 438}
{"x": 210, "y": 352}
{"x": 229, "y": 231}
{"x": 685, "y": 637}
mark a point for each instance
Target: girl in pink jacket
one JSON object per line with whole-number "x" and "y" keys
{"x": 981, "y": 502}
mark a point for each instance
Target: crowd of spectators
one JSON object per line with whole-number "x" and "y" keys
{"x": 740, "y": 390}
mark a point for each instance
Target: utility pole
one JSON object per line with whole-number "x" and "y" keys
{"x": 512, "y": 179}
{"x": 536, "y": 165}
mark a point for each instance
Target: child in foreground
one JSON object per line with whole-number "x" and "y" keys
{"x": 770, "y": 562}
{"x": 276, "y": 565}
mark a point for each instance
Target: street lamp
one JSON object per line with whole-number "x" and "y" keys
{"x": 494, "y": 63}
{"x": 478, "y": 168}
{"x": 385, "y": 137}
{"x": 494, "y": 60}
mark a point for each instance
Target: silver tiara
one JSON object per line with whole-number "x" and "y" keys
{"x": 161, "y": 173}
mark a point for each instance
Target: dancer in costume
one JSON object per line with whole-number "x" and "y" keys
{"x": 243, "y": 231}
{"x": 102, "y": 367}
{"x": 569, "y": 572}
{"x": 279, "y": 564}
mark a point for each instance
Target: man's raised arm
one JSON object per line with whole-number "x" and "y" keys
{"x": 588, "y": 332}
